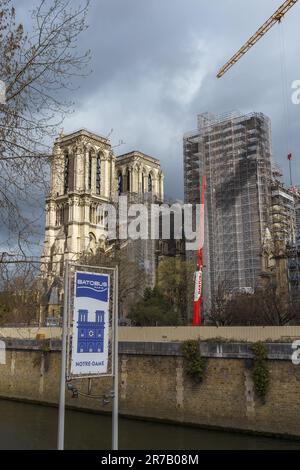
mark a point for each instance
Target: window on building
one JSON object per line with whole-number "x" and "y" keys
{"x": 66, "y": 173}
{"x": 150, "y": 184}
{"x": 143, "y": 183}
{"x": 98, "y": 175}
{"x": 57, "y": 217}
{"x": 120, "y": 183}
{"x": 128, "y": 181}
{"x": 61, "y": 267}
{"x": 90, "y": 170}
{"x": 92, "y": 215}
{"x": 105, "y": 219}
{"x": 60, "y": 216}
{"x": 66, "y": 215}
{"x": 92, "y": 243}
{"x": 99, "y": 215}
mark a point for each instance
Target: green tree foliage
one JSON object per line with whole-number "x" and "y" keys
{"x": 175, "y": 282}
{"x": 170, "y": 302}
{"x": 154, "y": 310}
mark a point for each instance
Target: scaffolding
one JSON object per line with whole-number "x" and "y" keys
{"x": 283, "y": 211}
{"x": 234, "y": 152}
{"x": 293, "y": 253}
{"x": 293, "y": 244}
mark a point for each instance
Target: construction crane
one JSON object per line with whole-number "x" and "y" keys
{"x": 276, "y": 18}
{"x": 198, "y": 295}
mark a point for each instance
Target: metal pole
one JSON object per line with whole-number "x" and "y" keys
{"x": 62, "y": 394}
{"x": 291, "y": 177}
{"x": 115, "y": 411}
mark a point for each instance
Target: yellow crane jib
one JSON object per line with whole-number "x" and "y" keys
{"x": 277, "y": 17}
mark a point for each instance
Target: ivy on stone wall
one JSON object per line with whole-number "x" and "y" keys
{"x": 260, "y": 371}
{"x": 44, "y": 353}
{"x": 194, "y": 364}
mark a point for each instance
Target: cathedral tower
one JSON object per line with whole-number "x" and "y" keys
{"x": 82, "y": 178}
{"x": 85, "y": 174}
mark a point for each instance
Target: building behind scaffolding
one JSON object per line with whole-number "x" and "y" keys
{"x": 297, "y": 208}
{"x": 279, "y": 250}
{"x": 283, "y": 211}
{"x": 293, "y": 249}
{"x": 234, "y": 152}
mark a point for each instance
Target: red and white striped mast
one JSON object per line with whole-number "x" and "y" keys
{"x": 198, "y": 295}
{"x": 290, "y": 159}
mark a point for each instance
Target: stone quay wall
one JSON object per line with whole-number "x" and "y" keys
{"x": 154, "y": 384}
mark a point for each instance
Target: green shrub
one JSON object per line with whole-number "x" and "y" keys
{"x": 195, "y": 364}
{"x": 260, "y": 371}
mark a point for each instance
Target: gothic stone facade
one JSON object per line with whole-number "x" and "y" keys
{"x": 86, "y": 174}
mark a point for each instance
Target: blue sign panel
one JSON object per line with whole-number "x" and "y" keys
{"x": 90, "y": 324}
{"x": 93, "y": 286}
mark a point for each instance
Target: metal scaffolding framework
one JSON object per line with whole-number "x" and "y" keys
{"x": 234, "y": 152}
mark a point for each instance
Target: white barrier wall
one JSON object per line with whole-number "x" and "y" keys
{"x": 160, "y": 334}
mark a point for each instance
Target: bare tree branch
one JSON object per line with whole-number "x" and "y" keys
{"x": 38, "y": 68}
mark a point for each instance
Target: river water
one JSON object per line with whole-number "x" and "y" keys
{"x": 24, "y": 426}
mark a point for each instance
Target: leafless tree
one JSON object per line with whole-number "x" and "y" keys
{"x": 132, "y": 279}
{"x": 266, "y": 307}
{"x": 275, "y": 308}
{"x": 20, "y": 296}
{"x": 39, "y": 69}
{"x": 218, "y": 313}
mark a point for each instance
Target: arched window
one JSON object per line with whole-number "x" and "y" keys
{"x": 93, "y": 214}
{"x": 66, "y": 214}
{"x": 143, "y": 183}
{"x": 98, "y": 174}
{"x": 120, "y": 183}
{"x": 90, "y": 170}
{"x": 66, "y": 173}
{"x": 149, "y": 184}
{"x": 128, "y": 180}
{"x": 57, "y": 217}
{"x": 61, "y": 216}
{"x": 92, "y": 243}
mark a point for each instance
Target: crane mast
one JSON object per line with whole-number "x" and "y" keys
{"x": 198, "y": 295}
{"x": 276, "y": 18}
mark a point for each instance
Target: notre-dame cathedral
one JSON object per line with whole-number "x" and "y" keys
{"x": 85, "y": 174}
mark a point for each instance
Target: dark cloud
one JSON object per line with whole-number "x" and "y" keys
{"x": 154, "y": 67}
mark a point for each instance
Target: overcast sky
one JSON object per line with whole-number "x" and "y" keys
{"x": 154, "y": 67}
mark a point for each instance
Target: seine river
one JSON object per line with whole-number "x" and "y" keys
{"x": 24, "y": 426}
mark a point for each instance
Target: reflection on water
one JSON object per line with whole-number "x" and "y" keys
{"x": 24, "y": 426}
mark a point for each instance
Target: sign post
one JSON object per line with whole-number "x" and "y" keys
{"x": 89, "y": 334}
{"x": 62, "y": 394}
{"x": 115, "y": 413}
